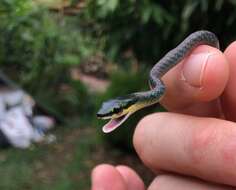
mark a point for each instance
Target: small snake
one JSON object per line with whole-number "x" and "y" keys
{"x": 120, "y": 108}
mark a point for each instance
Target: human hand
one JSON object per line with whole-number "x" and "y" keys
{"x": 197, "y": 141}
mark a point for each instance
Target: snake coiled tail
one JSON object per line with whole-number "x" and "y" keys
{"x": 119, "y": 109}
{"x": 177, "y": 54}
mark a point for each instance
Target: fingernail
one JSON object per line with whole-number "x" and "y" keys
{"x": 194, "y": 68}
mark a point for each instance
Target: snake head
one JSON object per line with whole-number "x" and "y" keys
{"x": 117, "y": 110}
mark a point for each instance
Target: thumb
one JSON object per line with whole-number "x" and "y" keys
{"x": 195, "y": 83}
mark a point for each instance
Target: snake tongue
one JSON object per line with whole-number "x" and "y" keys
{"x": 114, "y": 123}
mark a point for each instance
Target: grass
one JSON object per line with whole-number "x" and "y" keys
{"x": 59, "y": 166}
{"x": 64, "y": 165}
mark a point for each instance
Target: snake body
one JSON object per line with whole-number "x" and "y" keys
{"x": 119, "y": 109}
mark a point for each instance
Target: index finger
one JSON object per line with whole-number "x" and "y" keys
{"x": 195, "y": 146}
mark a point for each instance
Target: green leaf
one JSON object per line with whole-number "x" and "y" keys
{"x": 112, "y": 4}
{"x": 188, "y": 10}
{"x": 232, "y": 2}
{"x": 219, "y": 4}
{"x": 204, "y": 5}
{"x": 108, "y": 5}
{"x": 157, "y": 15}
{"x": 146, "y": 14}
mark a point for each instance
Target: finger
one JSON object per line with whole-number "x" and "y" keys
{"x": 107, "y": 177}
{"x": 201, "y": 147}
{"x": 115, "y": 178}
{"x": 133, "y": 181}
{"x": 200, "y": 78}
{"x": 229, "y": 98}
{"x": 170, "y": 182}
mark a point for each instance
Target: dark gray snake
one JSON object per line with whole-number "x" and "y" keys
{"x": 120, "y": 108}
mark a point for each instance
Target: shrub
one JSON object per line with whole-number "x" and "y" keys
{"x": 37, "y": 49}
{"x": 150, "y": 28}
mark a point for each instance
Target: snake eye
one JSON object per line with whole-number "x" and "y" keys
{"x": 117, "y": 109}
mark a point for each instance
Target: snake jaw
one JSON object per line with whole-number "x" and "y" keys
{"x": 114, "y": 123}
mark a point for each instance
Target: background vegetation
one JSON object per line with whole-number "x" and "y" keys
{"x": 43, "y": 41}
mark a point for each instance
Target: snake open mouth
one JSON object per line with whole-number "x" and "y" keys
{"x": 114, "y": 123}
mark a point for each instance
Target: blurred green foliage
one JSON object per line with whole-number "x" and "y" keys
{"x": 38, "y": 48}
{"x": 150, "y": 28}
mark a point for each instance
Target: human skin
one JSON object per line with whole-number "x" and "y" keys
{"x": 195, "y": 142}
